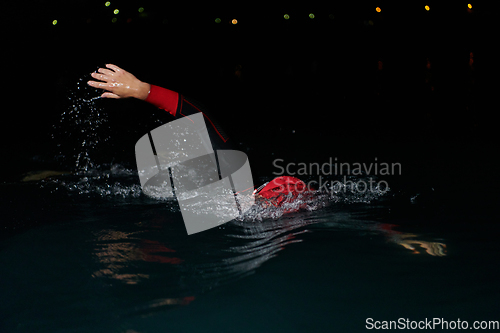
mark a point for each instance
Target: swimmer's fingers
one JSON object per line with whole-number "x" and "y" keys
{"x": 106, "y": 73}
{"x": 114, "y": 68}
{"x": 101, "y": 77}
{"x": 106, "y": 86}
{"x": 110, "y": 95}
{"x": 111, "y": 90}
{"x": 110, "y": 87}
{"x": 100, "y": 85}
{"x": 114, "y": 72}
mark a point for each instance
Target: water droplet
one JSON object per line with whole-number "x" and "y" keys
{"x": 78, "y": 130}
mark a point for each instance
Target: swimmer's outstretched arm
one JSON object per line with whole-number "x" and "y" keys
{"x": 119, "y": 83}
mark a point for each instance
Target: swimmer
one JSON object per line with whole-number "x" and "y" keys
{"x": 118, "y": 83}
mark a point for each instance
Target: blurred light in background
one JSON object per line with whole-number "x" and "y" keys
{"x": 286, "y": 16}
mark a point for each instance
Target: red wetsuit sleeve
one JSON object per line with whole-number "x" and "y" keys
{"x": 163, "y": 98}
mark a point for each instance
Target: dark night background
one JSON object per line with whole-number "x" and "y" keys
{"x": 411, "y": 85}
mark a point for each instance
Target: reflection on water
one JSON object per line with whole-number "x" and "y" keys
{"x": 150, "y": 249}
{"x": 432, "y": 248}
{"x": 123, "y": 255}
{"x": 408, "y": 241}
{"x": 171, "y": 269}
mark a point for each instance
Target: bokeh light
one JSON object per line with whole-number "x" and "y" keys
{"x": 234, "y": 21}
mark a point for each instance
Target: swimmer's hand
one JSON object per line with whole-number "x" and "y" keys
{"x": 119, "y": 83}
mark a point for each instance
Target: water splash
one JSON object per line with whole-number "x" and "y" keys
{"x": 91, "y": 100}
{"x": 106, "y": 181}
{"x": 81, "y": 127}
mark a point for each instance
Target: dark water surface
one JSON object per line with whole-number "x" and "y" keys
{"x": 90, "y": 253}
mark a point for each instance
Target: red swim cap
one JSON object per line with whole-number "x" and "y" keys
{"x": 283, "y": 185}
